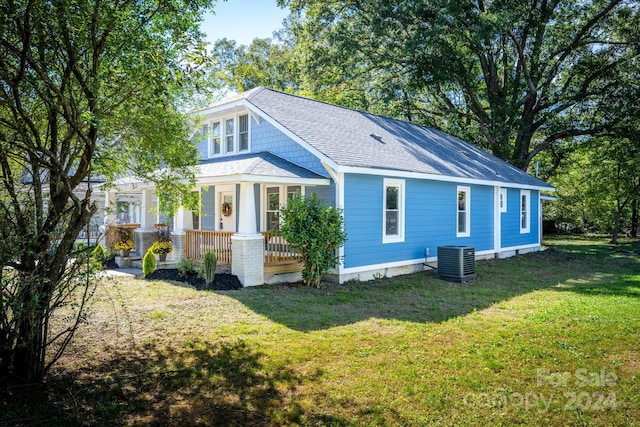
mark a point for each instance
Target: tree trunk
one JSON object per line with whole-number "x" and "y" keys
{"x": 616, "y": 225}
{"x": 634, "y": 218}
{"x": 28, "y": 359}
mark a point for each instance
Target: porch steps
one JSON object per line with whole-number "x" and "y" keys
{"x": 160, "y": 265}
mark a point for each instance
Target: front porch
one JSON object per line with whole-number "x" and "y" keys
{"x": 279, "y": 257}
{"x": 239, "y": 200}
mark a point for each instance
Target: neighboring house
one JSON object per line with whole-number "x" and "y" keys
{"x": 405, "y": 189}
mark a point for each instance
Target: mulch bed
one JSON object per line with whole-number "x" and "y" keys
{"x": 222, "y": 282}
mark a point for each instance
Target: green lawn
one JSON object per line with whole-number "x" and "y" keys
{"x": 550, "y": 338}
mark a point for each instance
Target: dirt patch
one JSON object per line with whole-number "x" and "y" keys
{"x": 222, "y": 282}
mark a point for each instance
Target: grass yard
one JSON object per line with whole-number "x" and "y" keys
{"x": 550, "y": 338}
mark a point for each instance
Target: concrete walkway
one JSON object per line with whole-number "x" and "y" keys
{"x": 123, "y": 272}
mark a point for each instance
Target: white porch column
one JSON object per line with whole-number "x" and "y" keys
{"x": 146, "y": 235}
{"x": 182, "y": 221}
{"x": 109, "y": 207}
{"x": 247, "y": 245}
{"x": 247, "y": 220}
{"x": 147, "y": 215}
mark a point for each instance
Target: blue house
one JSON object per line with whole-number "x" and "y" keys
{"x": 405, "y": 190}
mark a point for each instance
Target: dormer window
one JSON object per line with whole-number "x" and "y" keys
{"x": 222, "y": 135}
{"x": 244, "y": 132}
{"x": 228, "y": 132}
{"x": 215, "y": 138}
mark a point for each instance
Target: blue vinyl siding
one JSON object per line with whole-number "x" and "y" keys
{"x": 430, "y": 220}
{"x": 265, "y": 137}
{"x": 325, "y": 192}
{"x": 202, "y": 142}
{"x": 510, "y": 226}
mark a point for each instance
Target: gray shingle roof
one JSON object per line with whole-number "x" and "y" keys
{"x": 262, "y": 164}
{"x": 354, "y": 138}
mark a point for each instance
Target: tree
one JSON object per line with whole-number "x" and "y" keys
{"x": 87, "y": 88}
{"x": 271, "y": 62}
{"x": 597, "y": 187}
{"x": 316, "y": 230}
{"x": 516, "y": 78}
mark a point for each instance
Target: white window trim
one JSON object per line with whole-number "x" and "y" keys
{"x": 526, "y": 229}
{"x": 503, "y": 200}
{"x": 223, "y": 134}
{"x": 467, "y": 191}
{"x": 282, "y": 194}
{"x": 401, "y": 207}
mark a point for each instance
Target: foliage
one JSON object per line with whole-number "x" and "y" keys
{"x": 315, "y": 229}
{"x": 515, "y": 78}
{"x": 148, "y": 262}
{"x": 186, "y": 266}
{"x": 87, "y": 88}
{"x": 598, "y": 188}
{"x": 207, "y": 270}
{"x": 99, "y": 256}
{"x": 161, "y": 247}
{"x": 273, "y": 63}
{"x": 124, "y": 245}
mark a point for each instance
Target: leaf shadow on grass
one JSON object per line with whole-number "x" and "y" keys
{"x": 200, "y": 383}
{"x": 419, "y": 297}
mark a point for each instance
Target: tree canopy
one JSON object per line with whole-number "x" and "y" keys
{"x": 514, "y": 78}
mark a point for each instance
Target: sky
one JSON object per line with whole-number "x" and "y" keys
{"x": 243, "y": 20}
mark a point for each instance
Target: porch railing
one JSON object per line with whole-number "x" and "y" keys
{"x": 277, "y": 249}
{"x": 197, "y": 242}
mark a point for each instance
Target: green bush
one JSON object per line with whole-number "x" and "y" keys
{"x": 99, "y": 256}
{"x": 207, "y": 270}
{"x": 186, "y": 266}
{"x": 149, "y": 263}
{"x": 316, "y": 230}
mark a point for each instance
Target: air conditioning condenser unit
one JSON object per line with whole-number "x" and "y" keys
{"x": 457, "y": 263}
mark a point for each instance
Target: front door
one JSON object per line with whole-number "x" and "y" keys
{"x": 227, "y": 211}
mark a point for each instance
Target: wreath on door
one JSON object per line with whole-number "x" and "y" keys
{"x": 226, "y": 209}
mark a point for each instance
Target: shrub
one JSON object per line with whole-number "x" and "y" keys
{"x": 207, "y": 270}
{"x": 148, "y": 263}
{"x": 162, "y": 247}
{"x": 99, "y": 256}
{"x": 316, "y": 230}
{"x": 186, "y": 266}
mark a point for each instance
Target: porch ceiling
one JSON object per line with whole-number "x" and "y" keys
{"x": 257, "y": 167}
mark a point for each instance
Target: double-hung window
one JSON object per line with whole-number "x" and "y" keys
{"x": 229, "y": 134}
{"x": 464, "y": 213}
{"x": 243, "y": 133}
{"x": 393, "y": 211}
{"x": 525, "y": 211}
{"x": 215, "y": 138}
{"x": 274, "y": 196}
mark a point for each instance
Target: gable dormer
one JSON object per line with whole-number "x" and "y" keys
{"x": 225, "y": 134}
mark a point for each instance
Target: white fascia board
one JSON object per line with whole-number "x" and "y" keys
{"x": 258, "y": 179}
{"x": 323, "y": 158}
{"x": 434, "y": 177}
{"x": 233, "y": 106}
